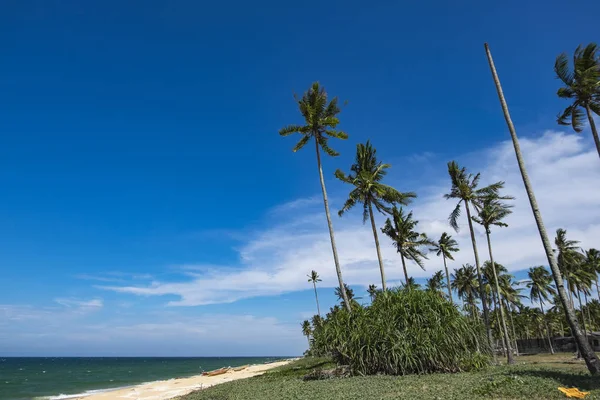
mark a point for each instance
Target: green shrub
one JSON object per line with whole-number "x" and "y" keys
{"x": 404, "y": 331}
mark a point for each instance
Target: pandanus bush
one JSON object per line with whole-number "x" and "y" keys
{"x": 403, "y": 332}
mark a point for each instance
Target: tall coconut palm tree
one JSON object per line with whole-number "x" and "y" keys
{"x": 366, "y": 176}
{"x": 314, "y": 278}
{"x": 320, "y": 118}
{"x": 436, "y": 283}
{"x": 408, "y": 242}
{"x": 592, "y": 362}
{"x": 306, "y": 331}
{"x": 540, "y": 289}
{"x": 444, "y": 247}
{"x": 582, "y": 85}
{"x": 465, "y": 189}
{"x": 372, "y": 291}
{"x": 491, "y": 213}
{"x": 464, "y": 281}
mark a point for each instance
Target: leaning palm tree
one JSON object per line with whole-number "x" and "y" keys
{"x": 314, "y": 278}
{"x": 582, "y": 85}
{"x": 306, "y": 331}
{"x": 491, "y": 213}
{"x": 592, "y": 362}
{"x": 465, "y": 189}
{"x": 540, "y": 289}
{"x": 436, "y": 283}
{"x": 366, "y": 176}
{"x": 372, "y": 291}
{"x": 445, "y": 246}
{"x": 408, "y": 242}
{"x": 321, "y": 120}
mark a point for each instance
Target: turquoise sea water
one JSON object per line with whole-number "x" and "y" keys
{"x": 62, "y": 378}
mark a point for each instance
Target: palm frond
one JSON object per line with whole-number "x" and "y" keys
{"x": 290, "y": 129}
{"x": 323, "y": 143}
{"x": 561, "y": 67}
{"x": 336, "y": 134}
{"x": 301, "y": 143}
{"x": 453, "y": 218}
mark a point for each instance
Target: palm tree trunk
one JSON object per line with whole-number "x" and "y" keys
{"x": 331, "y": 235}
{"x": 512, "y": 324}
{"x": 404, "y": 267}
{"x": 498, "y": 323}
{"x": 593, "y": 128}
{"x": 447, "y": 279}
{"x": 317, "y": 298}
{"x": 486, "y": 318}
{"x": 377, "y": 247}
{"x": 587, "y": 311}
{"x": 509, "y": 356}
{"x": 582, "y": 312}
{"x": 591, "y": 360}
{"x": 547, "y": 328}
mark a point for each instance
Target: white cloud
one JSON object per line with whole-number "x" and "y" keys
{"x": 565, "y": 173}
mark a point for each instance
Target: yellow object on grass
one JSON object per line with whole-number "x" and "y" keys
{"x": 573, "y": 392}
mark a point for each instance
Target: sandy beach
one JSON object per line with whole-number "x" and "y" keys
{"x": 171, "y": 388}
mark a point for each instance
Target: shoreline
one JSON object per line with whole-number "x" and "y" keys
{"x": 174, "y": 387}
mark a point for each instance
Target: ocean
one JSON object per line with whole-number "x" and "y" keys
{"x": 55, "y": 378}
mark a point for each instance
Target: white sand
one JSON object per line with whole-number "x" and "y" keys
{"x": 171, "y": 388}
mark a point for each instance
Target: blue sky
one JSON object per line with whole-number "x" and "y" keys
{"x": 148, "y": 204}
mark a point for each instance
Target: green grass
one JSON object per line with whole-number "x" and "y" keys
{"x": 533, "y": 377}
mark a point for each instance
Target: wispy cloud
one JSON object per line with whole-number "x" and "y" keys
{"x": 75, "y": 303}
{"x": 114, "y": 276}
{"x": 565, "y": 173}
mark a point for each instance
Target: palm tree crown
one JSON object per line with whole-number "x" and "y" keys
{"x": 582, "y": 86}
{"x": 436, "y": 282}
{"x": 491, "y": 212}
{"x": 569, "y": 258}
{"x": 366, "y": 176}
{"x": 465, "y": 188}
{"x": 313, "y": 277}
{"x": 540, "y": 284}
{"x": 372, "y": 291}
{"x": 445, "y": 246}
{"x": 408, "y": 242}
{"x": 320, "y": 120}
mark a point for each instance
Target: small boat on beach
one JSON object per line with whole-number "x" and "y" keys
{"x": 216, "y": 372}
{"x": 240, "y": 368}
